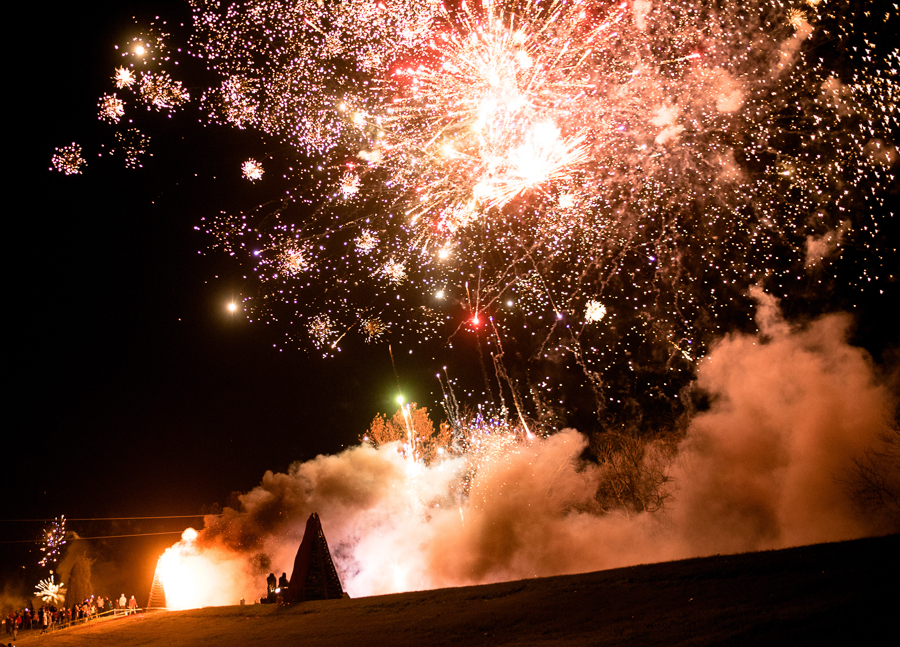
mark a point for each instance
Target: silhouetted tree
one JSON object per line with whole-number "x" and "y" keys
{"x": 874, "y": 480}
{"x": 79, "y": 587}
{"x": 415, "y": 431}
{"x": 635, "y": 471}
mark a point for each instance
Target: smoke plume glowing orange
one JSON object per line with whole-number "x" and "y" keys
{"x": 759, "y": 470}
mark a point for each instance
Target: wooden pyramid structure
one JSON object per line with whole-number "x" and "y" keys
{"x": 314, "y": 576}
{"x": 157, "y": 594}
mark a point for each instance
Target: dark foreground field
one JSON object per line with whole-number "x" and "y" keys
{"x": 828, "y": 594}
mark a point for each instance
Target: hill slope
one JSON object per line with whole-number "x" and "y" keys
{"x": 841, "y": 593}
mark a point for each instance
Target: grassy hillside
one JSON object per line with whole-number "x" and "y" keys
{"x": 827, "y": 594}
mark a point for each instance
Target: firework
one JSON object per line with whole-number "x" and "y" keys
{"x": 53, "y": 541}
{"x": 111, "y": 108}
{"x": 373, "y": 328}
{"x": 528, "y": 169}
{"x": 124, "y": 78}
{"x": 796, "y": 17}
{"x": 132, "y": 145}
{"x": 294, "y": 260}
{"x": 601, "y": 198}
{"x": 161, "y": 91}
{"x": 50, "y": 592}
{"x": 366, "y": 242}
{"x": 594, "y": 311}
{"x": 68, "y": 159}
{"x": 349, "y": 184}
{"x": 321, "y": 331}
{"x": 394, "y": 271}
{"x": 235, "y": 99}
{"x": 252, "y": 170}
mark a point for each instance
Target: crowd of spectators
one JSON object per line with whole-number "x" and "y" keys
{"x": 48, "y": 616}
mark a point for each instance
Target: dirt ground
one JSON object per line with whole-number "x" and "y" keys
{"x": 826, "y": 594}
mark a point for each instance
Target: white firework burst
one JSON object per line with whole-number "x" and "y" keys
{"x": 124, "y": 77}
{"x": 252, "y": 170}
{"x": 594, "y": 311}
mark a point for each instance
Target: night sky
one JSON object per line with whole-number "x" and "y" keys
{"x": 135, "y": 392}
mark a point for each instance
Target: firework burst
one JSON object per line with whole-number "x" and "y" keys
{"x": 50, "y": 592}
{"x": 124, "y": 78}
{"x": 159, "y": 90}
{"x": 562, "y": 155}
{"x": 68, "y": 159}
{"x": 132, "y": 145}
{"x": 322, "y": 331}
{"x": 53, "y": 541}
{"x": 252, "y": 170}
{"x": 582, "y": 182}
{"x": 373, "y": 328}
{"x": 366, "y": 242}
{"x": 111, "y": 108}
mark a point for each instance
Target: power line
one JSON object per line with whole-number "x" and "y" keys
{"x": 178, "y": 516}
{"x": 141, "y": 534}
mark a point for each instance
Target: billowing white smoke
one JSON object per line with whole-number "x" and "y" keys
{"x": 763, "y": 468}
{"x": 760, "y": 469}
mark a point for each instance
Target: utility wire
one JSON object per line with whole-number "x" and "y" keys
{"x": 68, "y": 539}
{"x": 178, "y": 516}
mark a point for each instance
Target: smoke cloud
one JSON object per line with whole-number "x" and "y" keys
{"x": 760, "y": 469}
{"x": 763, "y": 467}
{"x": 818, "y": 248}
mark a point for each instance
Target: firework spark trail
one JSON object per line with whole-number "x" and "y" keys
{"x": 651, "y": 159}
